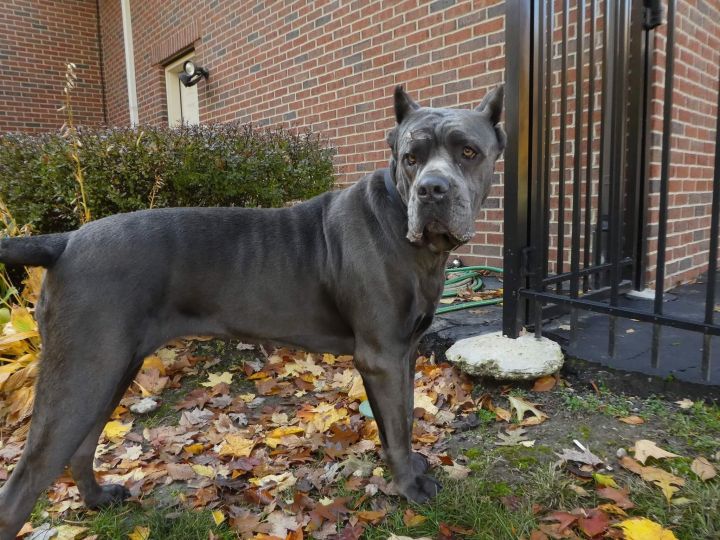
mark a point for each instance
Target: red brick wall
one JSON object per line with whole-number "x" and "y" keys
{"x": 328, "y": 65}
{"x": 695, "y": 98}
{"x": 37, "y": 39}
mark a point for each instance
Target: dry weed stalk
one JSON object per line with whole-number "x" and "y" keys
{"x": 70, "y": 134}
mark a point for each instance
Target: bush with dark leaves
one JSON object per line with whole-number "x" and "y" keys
{"x": 130, "y": 169}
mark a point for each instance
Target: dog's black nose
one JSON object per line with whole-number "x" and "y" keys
{"x": 432, "y": 189}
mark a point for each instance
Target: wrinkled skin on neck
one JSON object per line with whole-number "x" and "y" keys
{"x": 457, "y": 146}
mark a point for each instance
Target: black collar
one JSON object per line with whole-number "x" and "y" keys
{"x": 392, "y": 189}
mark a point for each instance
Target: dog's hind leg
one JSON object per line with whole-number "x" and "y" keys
{"x": 81, "y": 464}
{"x": 75, "y": 388}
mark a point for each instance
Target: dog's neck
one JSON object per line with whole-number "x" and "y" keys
{"x": 392, "y": 190}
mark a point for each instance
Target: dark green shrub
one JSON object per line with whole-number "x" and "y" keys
{"x": 126, "y": 168}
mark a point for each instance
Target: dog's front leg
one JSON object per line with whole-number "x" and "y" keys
{"x": 388, "y": 379}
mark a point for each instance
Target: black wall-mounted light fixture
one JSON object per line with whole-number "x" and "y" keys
{"x": 191, "y": 74}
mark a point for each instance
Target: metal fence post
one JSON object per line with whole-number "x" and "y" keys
{"x": 518, "y": 17}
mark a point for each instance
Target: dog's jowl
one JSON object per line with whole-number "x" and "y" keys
{"x": 372, "y": 258}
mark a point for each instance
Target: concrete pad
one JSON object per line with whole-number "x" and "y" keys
{"x": 494, "y": 355}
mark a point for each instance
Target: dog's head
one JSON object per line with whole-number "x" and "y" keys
{"x": 443, "y": 164}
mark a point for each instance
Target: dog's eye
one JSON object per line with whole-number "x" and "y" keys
{"x": 469, "y": 153}
{"x": 410, "y": 159}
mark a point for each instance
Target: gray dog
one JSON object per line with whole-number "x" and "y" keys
{"x": 357, "y": 271}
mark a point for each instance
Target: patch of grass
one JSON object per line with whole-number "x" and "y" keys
{"x": 485, "y": 416}
{"x": 172, "y": 523}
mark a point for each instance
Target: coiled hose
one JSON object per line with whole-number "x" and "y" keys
{"x": 462, "y": 279}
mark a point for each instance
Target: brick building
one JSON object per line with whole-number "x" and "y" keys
{"x": 330, "y": 65}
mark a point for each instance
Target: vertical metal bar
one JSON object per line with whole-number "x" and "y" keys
{"x": 563, "y": 122}
{"x": 550, "y": 4}
{"x": 517, "y": 120}
{"x": 618, "y": 163}
{"x": 538, "y": 180}
{"x": 713, "y": 249}
{"x": 577, "y": 156}
{"x": 589, "y": 148}
{"x": 608, "y": 51}
{"x": 577, "y": 152}
{"x": 664, "y": 177}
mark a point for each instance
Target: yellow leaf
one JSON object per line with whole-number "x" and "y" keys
{"x": 115, "y": 430}
{"x": 275, "y": 437}
{"x": 218, "y": 517}
{"x": 154, "y": 362}
{"x": 644, "y": 449}
{"x": 194, "y": 448}
{"x": 237, "y": 446}
{"x": 425, "y": 402}
{"x": 329, "y": 359}
{"x": 217, "y": 378}
{"x": 69, "y": 532}
{"x": 280, "y": 481}
{"x": 140, "y": 533}
{"x": 703, "y": 468}
{"x": 22, "y": 320}
{"x": 645, "y": 529}
{"x": 204, "y": 470}
{"x": 357, "y": 389}
{"x": 322, "y": 417}
{"x": 605, "y": 480}
{"x": 502, "y": 414}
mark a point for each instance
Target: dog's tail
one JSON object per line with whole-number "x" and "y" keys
{"x": 41, "y": 250}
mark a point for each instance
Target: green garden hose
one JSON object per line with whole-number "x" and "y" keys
{"x": 464, "y": 278}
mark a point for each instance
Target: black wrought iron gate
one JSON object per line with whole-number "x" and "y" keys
{"x": 578, "y": 98}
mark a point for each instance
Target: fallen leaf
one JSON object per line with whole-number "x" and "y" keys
{"x": 411, "y": 519}
{"x": 604, "y": 480}
{"x": 685, "y": 403}
{"x": 633, "y": 420}
{"x": 371, "y": 516}
{"x": 237, "y": 446}
{"x": 619, "y": 496}
{"x": 502, "y": 414}
{"x": 140, "y": 533}
{"x": 645, "y": 529}
{"x": 217, "y": 378}
{"x": 69, "y": 532}
{"x": 204, "y": 470}
{"x": 703, "y": 468}
{"x": 521, "y": 407}
{"x": 595, "y": 523}
{"x": 644, "y": 449}
{"x": 515, "y": 437}
{"x": 115, "y": 430}
{"x": 456, "y": 471}
{"x": 218, "y": 516}
{"x": 544, "y": 384}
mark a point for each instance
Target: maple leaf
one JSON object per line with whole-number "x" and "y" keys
{"x": 514, "y": 437}
{"x": 644, "y": 449}
{"x": 585, "y": 456}
{"x": 703, "y": 468}
{"x": 663, "y": 479}
{"x": 69, "y": 532}
{"x": 645, "y": 529}
{"x": 281, "y": 523}
{"x": 237, "y": 446}
{"x": 456, "y": 471}
{"x": 204, "y": 470}
{"x": 521, "y": 407}
{"x": 595, "y": 523}
{"x": 217, "y": 378}
{"x": 619, "y": 496}
{"x": 276, "y": 436}
{"x": 565, "y": 519}
{"x": 685, "y": 403}
{"x": 424, "y": 401}
{"x": 115, "y": 430}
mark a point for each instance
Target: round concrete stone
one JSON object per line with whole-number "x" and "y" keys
{"x": 494, "y": 355}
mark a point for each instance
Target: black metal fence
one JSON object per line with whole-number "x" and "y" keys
{"x": 578, "y": 87}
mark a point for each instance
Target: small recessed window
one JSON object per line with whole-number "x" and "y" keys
{"x": 182, "y": 102}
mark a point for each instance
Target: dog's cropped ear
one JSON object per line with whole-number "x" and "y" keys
{"x": 492, "y": 104}
{"x": 403, "y": 104}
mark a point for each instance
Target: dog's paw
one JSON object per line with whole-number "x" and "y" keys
{"x": 109, "y": 495}
{"x": 419, "y": 463}
{"x": 421, "y": 488}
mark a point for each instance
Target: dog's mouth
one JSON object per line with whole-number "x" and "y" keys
{"x": 439, "y": 236}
